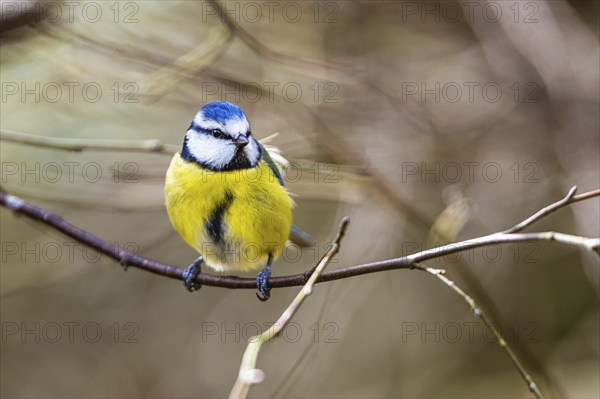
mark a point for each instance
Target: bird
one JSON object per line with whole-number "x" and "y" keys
{"x": 225, "y": 196}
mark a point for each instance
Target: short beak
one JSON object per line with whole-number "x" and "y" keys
{"x": 241, "y": 141}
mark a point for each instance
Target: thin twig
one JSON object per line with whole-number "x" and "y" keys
{"x": 568, "y": 199}
{"x": 440, "y": 274}
{"x": 79, "y": 144}
{"x": 126, "y": 258}
{"x": 248, "y": 374}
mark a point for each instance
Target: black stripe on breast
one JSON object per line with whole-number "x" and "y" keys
{"x": 239, "y": 161}
{"x": 214, "y": 223}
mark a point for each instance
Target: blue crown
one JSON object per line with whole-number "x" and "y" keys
{"x": 222, "y": 111}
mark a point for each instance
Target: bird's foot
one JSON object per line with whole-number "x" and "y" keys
{"x": 190, "y": 273}
{"x": 261, "y": 281}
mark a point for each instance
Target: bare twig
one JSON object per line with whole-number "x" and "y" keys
{"x": 125, "y": 258}
{"x": 248, "y": 374}
{"x": 568, "y": 199}
{"x": 440, "y": 274}
{"x": 79, "y": 144}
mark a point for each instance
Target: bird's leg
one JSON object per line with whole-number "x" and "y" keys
{"x": 190, "y": 273}
{"x": 261, "y": 281}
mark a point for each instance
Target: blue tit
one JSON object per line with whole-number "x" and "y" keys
{"x": 225, "y": 197}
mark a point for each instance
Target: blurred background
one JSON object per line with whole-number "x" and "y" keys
{"x": 425, "y": 122}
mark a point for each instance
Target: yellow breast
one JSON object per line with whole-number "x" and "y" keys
{"x": 233, "y": 219}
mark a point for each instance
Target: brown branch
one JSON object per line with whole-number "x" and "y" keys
{"x": 79, "y": 144}
{"x": 126, "y": 258}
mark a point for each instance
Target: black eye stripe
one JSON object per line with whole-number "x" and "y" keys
{"x": 194, "y": 127}
{"x": 216, "y": 133}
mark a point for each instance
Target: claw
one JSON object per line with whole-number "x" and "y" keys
{"x": 190, "y": 273}
{"x": 265, "y": 296}
{"x": 261, "y": 281}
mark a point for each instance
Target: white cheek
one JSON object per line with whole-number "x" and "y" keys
{"x": 252, "y": 152}
{"x": 209, "y": 150}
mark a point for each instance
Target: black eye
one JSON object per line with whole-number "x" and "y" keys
{"x": 249, "y": 133}
{"x": 216, "y": 133}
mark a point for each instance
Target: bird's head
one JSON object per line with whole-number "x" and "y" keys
{"x": 219, "y": 139}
